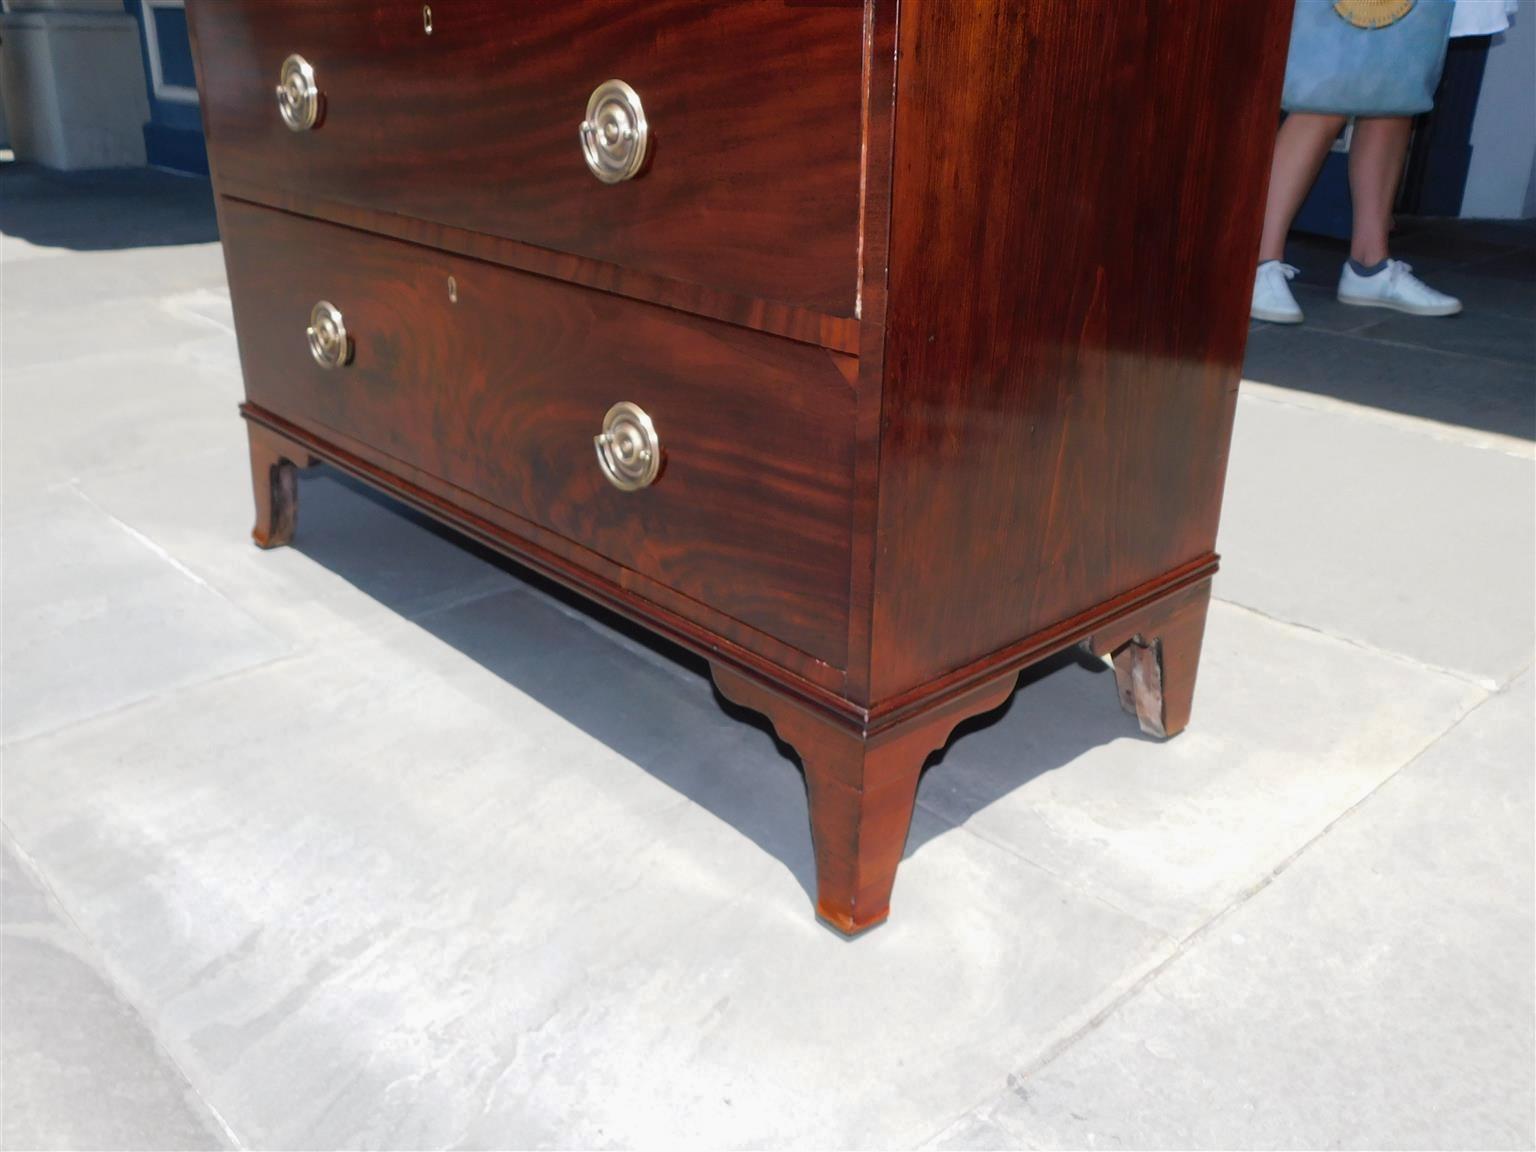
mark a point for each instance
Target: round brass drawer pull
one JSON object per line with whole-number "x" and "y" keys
{"x": 614, "y": 135}
{"x": 298, "y": 100}
{"x": 329, "y": 343}
{"x": 628, "y": 448}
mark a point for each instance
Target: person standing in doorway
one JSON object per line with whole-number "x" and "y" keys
{"x": 1376, "y": 62}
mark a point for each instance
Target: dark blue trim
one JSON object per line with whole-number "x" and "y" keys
{"x": 1327, "y": 210}
{"x": 1442, "y": 146}
{"x": 176, "y": 148}
{"x": 175, "y": 47}
{"x": 173, "y": 138}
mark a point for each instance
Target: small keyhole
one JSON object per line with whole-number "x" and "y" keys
{"x": 426, "y": 18}
{"x": 453, "y": 290}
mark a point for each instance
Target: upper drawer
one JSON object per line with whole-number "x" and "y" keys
{"x": 751, "y": 183}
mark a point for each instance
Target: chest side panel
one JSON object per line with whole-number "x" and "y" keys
{"x": 1076, "y": 200}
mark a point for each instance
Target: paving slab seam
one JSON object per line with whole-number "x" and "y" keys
{"x": 1054, "y": 1051}
{"x": 454, "y": 605}
{"x": 200, "y": 349}
{"x": 117, "y": 359}
{"x": 154, "y": 697}
{"x": 184, "y": 454}
{"x": 1063, "y": 878}
{"x": 293, "y": 654}
{"x": 97, "y": 960}
{"x": 158, "y": 550}
{"x": 586, "y": 617}
{"x": 1359, "y": 336}
{"x": 1486, "y": 684}
{"x": 177, "y": 306}
{"x": 523, "y": 587}
{"x": 1068, "y": 1034}
{"x": 1283, "y": 397}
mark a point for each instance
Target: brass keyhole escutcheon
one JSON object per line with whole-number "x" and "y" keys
{"x": 426, "y": 19}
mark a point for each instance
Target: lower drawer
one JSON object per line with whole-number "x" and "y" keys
{"x": 496, "y": 382}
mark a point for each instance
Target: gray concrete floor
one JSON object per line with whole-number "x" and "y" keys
{"x": 375, "y": 842}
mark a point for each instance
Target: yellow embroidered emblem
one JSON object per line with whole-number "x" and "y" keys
{"x": 1372, "y": 13}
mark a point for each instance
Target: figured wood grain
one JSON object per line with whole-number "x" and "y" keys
{"x": 689, "y": 623}
{"x": 838, "y": 333}
{"x": 1076, "y": 202}
{"x": 501, "y": 392}
{"x": 752, "y": 186}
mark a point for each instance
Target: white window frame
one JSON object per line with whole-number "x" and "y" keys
{"x": 172, "y": 93}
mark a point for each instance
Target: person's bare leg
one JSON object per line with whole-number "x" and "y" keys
{"x": 1300, "y": 149}
{"x": 1376, "y": 156}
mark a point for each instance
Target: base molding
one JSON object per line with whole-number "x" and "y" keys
{"x": 1108, "y": 618}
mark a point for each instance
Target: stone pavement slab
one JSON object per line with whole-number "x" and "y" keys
{"x": 1291, "y": 727}
{"x": 1487, "y": 293}
{"x": 186, "y": 324}
{"x": 356, "y": 560}
{"x": 376, "y": 895}
{"x": 59, "y": 280}
{"x": 115, "y": 360}
{"x": 1480, "y": 333}
{"x": 1321, "y": 307}
{"x": 1518, "y": 265}
{"x": 1405, "y": 539}
{"x": 79, "y": 1067}
{"x": 373, "y": 842}
{"x": 1377, "y": 994}
{"x": 1487, "y": 395}
{"x": 95, "y": 616}
{"x": 43, "y": 213}
{"x": 150, "y": 412}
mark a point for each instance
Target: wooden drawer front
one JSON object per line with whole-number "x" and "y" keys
{"x": 752, "y": 183}
{"x": 502, "y": 392}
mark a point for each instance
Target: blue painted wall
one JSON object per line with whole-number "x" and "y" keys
{"x": 173, "y": 138}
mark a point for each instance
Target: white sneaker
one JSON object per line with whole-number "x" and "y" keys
{"x": 1272, "y": 299}
{"x": 1395, "y": 286}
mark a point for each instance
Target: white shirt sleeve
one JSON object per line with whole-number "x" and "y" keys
{"x": 1481, "y": 17}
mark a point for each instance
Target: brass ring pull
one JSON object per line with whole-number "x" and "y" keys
{"x": 329, "y": 343}
{"x": 298, "y": 99}
{"x": 628, "y": 448}
{"x": 614, "y": 136}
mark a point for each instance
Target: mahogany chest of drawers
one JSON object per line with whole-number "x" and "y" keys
{"x": 873, "y": 351}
